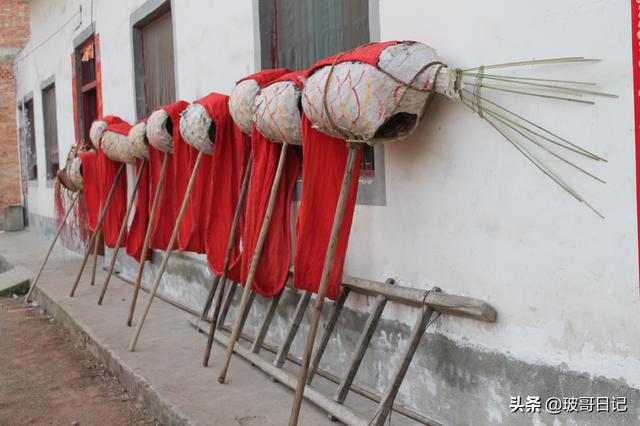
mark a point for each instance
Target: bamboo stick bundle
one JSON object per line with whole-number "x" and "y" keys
{"x": 378, "y": 93}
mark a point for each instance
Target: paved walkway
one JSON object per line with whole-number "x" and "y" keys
{"x": 165, "y": 372}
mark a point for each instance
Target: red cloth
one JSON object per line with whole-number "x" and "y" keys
{"x": 138, "y": 228}
{"x": 325, "y": 160}
{"x": 91, "y": 187}
{"x": 107, "y": 171}
{"x": 295, "y": 76}
{"x": 273, "y": 267}
{"x": 368, "y": 53}
{"x": 173, "y": 187}
{"x": 228, "y": 166}
{"x": 265, "y": 76}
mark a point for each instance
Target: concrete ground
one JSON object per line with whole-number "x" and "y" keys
{"x": 165, "y": 372}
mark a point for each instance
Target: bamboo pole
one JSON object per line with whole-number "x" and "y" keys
{"x": 53, "y": 243}
{"x": 167, "y": 254}
{"x": 96, "y": 247}
{"x": 227, "y": 259}
{"x": 324, "y": 281}
{"x": 147, "y": 237}
{"x": 98, "y": 227}
{"x": 123, "y": 229}
{"x": 255, "y": 259}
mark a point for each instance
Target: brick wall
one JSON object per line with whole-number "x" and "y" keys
{"x": 14, "y": 33}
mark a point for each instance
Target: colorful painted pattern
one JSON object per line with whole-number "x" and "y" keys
{"x": 276, "y": 112}
{"x": 361, "y": 98}
{"x": 194, "y": 128}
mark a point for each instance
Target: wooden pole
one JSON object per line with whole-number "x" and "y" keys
{"x": 96, "y": 247}
{"x": 232, "y": 238}
{"x": 147, "y": 238}
{"x": 324, "y": 281}
{"x": 227, "y": 259}
{"x": 123, "y": 229}
{"x": 167, "y": 254}
{"x": 53, "y": 243}
{"x": 98, "y": 227}
{"x": 254, "y": 261}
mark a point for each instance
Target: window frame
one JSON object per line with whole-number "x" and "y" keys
{"x": 144, "y": 15}
{"x": 85, "y": 37}
{"x": 28, "y": 138}
{"x": 45, "y": 86}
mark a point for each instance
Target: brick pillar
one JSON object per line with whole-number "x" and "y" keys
{"x": 14, "y": 33}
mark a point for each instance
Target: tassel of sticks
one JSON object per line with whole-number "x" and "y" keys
{"x": 472, "y": 83}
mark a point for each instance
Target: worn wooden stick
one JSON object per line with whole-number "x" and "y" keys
{"x": 123, "y": 229}
{"x": 222, "y": 281}
{"x": 255, "y": 259}
{"x": 53, "y": 243}
{"x": 147, "y": 237}
{"x": 96, "y": 248}
{"x": 324, "y": 281}
{"x": 231, "y": 241}
{"x": 98, "y": 227}
{"x": 167, "y": 254}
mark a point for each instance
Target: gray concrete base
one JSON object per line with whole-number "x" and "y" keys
{"x": 166, "y": 371}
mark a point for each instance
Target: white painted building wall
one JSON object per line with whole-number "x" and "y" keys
{"x": 465, "y": 211}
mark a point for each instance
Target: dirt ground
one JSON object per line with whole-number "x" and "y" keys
{"x": 45, "y": 380}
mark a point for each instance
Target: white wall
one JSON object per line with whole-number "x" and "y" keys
{"x": 465, "y": 211}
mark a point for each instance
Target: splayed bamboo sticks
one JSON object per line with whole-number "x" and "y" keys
{"x": 98, "y": 226}
{"x": 53, "y": 243}
{"x": 147, "y": 237}
{"x": 324, "y": 281}
{"x": 167, "y": 253}
{"x": 223, "y": 277}
{"x": 255, "y": 260}
{"x": 123, "y": 230}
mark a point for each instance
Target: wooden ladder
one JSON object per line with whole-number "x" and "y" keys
{"x": 431, "y": 302}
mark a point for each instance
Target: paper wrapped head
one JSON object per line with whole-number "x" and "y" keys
{"x": 244, "y": 93}
{"x": 115, "y": 143}
{"x": 276, "y": 109}
{"x": 375, "y": 93}
{"x": 197, "y": 128}
{"x": 160, "y": 130}
{"x": 138, "y": 140}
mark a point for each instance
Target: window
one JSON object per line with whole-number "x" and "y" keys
{"x": 153, "y": 58}
{"x": 29, "y": 138}
{"x": 86, "y": 85}
{"x": 296, "y": 33}
{"x": 50, "y": 131}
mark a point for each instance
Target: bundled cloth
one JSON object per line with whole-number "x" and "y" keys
{"x": 135, "y": 237}
{"x": 276, "y": 115}
{"x": 359, "y": 96}
{"x": 162, "y": 128}
{"x": 116, "y": 133}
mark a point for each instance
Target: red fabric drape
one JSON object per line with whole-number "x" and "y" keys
{"x": 273, "y": 268}
{"x": 325, "y": 160}
{"x": 172, "y": 190}
{"x": 107, "y": 171}
{"x": 228, "y": 165}
{"x": 369, "y": 54}
{"x": 91, "y": 187}
{"x": 266, "y": 76}
{"x": 138, "y": 228}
